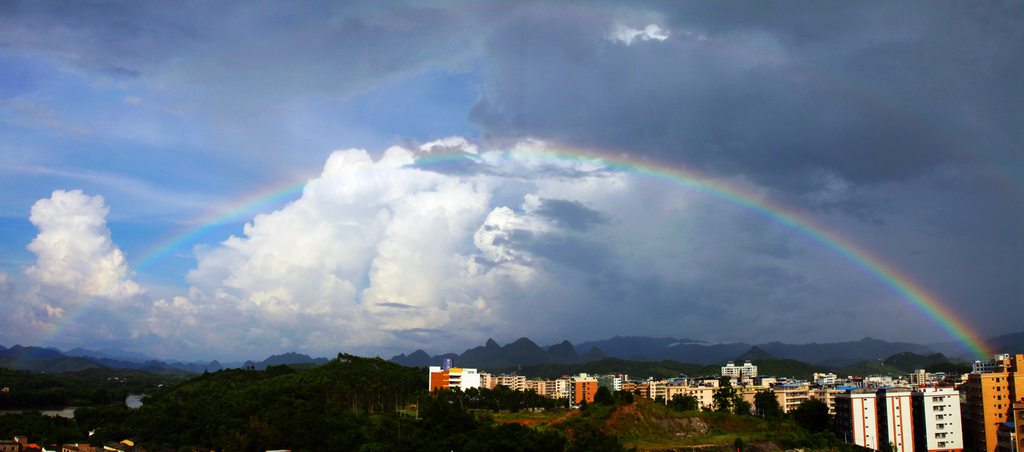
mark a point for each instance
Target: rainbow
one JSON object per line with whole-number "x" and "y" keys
{"x": 882, "y": 272}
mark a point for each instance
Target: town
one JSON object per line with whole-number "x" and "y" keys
{"x": 978, "y": 411}
{"x": 922, "y": 412}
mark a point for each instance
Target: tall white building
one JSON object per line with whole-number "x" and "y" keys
{"x": 937, "y": 425}
{"x": 744, "y": 372}
{"x": 895, "y": 418}
{"x": 453, "y": 378}
{"x": 857, "y": 417}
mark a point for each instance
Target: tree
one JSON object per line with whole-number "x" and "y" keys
{"x": 684, "y": 402}
{"x": 767, "y": 405}
{"x": 604, "y": 396}
{"x": 624, "y": 397}
{"x": 740, "y": 406}
{"x": 812, "y": 414}
{"x": 724, "y": 396}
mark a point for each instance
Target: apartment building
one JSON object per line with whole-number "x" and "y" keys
{"x": 987, "y": 366}
{"x": 991, "y": 394}
{"x": 825, "y": 394}
{"x": 744, "y": 372}
{"x": 513, "y": 382}
{"x": 918, "y": 419}
{"x": 641, "y": 388}
{"x": 857, "y": 417}
{"x": 453, "y": 378}
{"x": 826, "y": 379}
{"x": 545, "y": 388}
{"x": 895, "y": 418}
{"x": 582, "y": 388}
{"x": 790, "y": 396}
{"x": 937, "y": 425}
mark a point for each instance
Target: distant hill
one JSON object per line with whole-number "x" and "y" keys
{"x": 909, "y": 362}
{"x": 522, "y": 352}
{"x": 418, "y": 358}
{"x": 26, "y": 353}
{"x": 788, "y": 368}
{"x": 949, "y": 368}
{"x": 286, "y": 358}
{"x": 630, "y": 346}
{"x": 841, "y": 354}
{"x": 1007, "y": 343}
{"x": 50, "y": 365}
{"x": 115, "y": 354}
{"x": 755, "y": 353}
{"x": 866, "y": 368}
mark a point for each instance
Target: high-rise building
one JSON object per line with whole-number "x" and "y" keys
{"x": 895, "y": 418}
{"x": 582, "y": 388}
{"x": 744, "y": 372}
{"x": 937, "y": 426}
{"x": 991, "y": 394}
{"x": 911, "y": 420}
{"x": 857, "y": 417}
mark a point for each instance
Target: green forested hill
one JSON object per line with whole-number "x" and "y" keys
{"x": 868, "y": 368}
{"x": 99, "y": 385}
{"x": 350, "y": 403}
{"x": 788, "y": 368}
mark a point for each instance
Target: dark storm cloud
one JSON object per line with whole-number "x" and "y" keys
{"x": 571, "y": 214}
{"x": 873, "y": 92}
{"x": 246, "y": 49}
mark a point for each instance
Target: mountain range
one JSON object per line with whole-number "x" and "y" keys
{"x": 524, "y": 352}
{"x": 53, "y": 360}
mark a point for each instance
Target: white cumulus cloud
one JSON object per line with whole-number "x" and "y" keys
{"x": 75, "y": 256}
{"x": 629, "y": 35}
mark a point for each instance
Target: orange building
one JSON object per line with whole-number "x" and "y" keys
{"x": 990, "y": 398}
{"x": 453, "y": 378}
{"x": 582, "y": 388}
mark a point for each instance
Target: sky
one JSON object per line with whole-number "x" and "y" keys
{"x": 230, "y": 180}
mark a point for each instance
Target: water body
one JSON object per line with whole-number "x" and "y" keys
{"x": 68, "y": 412}
{"x": 133, "y": 401}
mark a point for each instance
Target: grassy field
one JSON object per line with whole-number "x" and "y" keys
{"x": 651, "y": 427}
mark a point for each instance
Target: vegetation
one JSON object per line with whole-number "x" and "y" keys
{"x": 96, "y": 386}
{"x": 788, "y": 368}
{"x": 367, "y": 404}
{"x": 869, "y": 368}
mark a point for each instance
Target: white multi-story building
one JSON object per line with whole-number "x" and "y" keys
{"x": 988, "y": 366}
{"x": 824, "y": 379}
{"x": 857, "y": 417}
{"x": 453, "y": 378}
{"x": 937, "y": 425}
{"x": 744, "y": 372}
{"x": 895, "y": 418}
{"x": 513, "y": 382}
